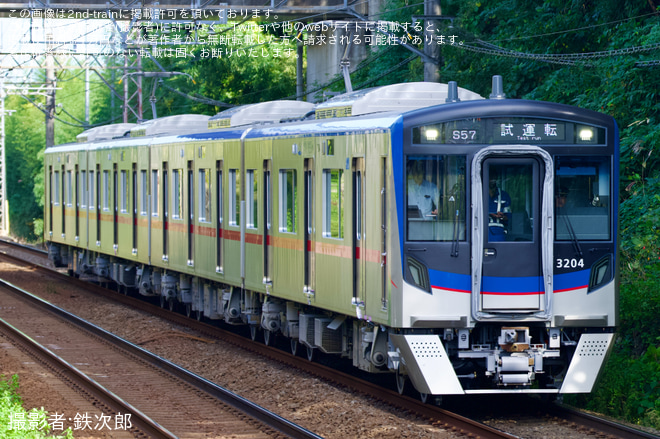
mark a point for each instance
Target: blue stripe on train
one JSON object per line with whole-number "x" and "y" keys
{"x": 508, "y": 285}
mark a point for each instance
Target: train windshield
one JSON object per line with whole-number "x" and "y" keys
{"x": 435, "y": 192}
{"x": 582, "y": 198}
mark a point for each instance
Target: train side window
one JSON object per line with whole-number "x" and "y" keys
{"x": 82, "y": 190}
{"x": 251, "y": 199}
{"x": 90, "y": 191}
{"x": 582, "y": 198}
{"x": 56, "y": 188}
{"x": 177, "y": 193}
{"x": 219, "y": 194}
{"x": 235, "y": 197}
{"x": 333, "y": 203}
{"x": 106, "y": 190}
{"x": 219, "y": 209}
{"x": 435, "y": 192}
{"x": 205, "y": 195}
{"x": 288, "y": 200}
{"x": 267, "y": 195}
{"x": 69, "y": 189}
{"x": 124, "y": 192}
{"x": 143, "y": 192}
{"x": 154, "y": 192}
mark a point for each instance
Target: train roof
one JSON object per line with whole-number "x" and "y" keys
{"x": 396, "y": 97}
{"x": 171, "y": 125}
{"x": 262, "y": 112}
{"x": 105, "y": 132}
{"x": 375, "y": 102}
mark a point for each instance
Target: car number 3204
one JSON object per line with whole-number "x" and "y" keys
{"x": 570, "y": 263}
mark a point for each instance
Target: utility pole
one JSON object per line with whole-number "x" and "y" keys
{"x": 86, "y": 96}
{"x": 50, "y": 96}
{"x": 431, "y": 48}
{"x": 137, "y": 95}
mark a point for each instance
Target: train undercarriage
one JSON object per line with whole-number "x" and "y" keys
{"x": 493, "y": 357}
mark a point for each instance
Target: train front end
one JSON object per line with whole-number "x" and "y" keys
{"x": 507, "y": 236}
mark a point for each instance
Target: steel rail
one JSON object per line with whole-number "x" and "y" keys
{"x": 439, "y": 417}
{"x": 139, "y": 421}
{"x": 239, "y": 403}
{"x": 603, "y": 425}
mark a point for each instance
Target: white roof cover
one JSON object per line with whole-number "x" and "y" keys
{"x": 173, "y": 125}
{"x": 273, "y": 111}
{"x": 104, "y": 132}
{"x": 397, "y": 97}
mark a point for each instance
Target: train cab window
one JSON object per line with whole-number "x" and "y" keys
{"x": 511, "y": 201}
{"x": 235, "y": 197}
{"x": 204, "y": 195}
{"x": 288, "y": 200}
{"x": 251, "y": 199}
{"x": 582, "y": 198}
{"x": 155, "y": 185}
{"x": 177, "y": 193}
{"x": 435, "y": 192}
{"x": 106, "y": 190}
{"x": 333, "y": 203}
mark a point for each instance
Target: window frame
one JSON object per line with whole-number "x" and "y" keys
{"x": 251, "y": 199}
{"x": 234, "y": 197}
{"x": 123, "y": 191}
{"x": 177, "y": 194}
{"x": 288, "y": 178}
{"x": 329, "y": 212}
{"x": 106, "y": 190}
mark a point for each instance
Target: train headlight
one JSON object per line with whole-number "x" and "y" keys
{"x": 431, "y": 134}
{"x": 586, "y": 134}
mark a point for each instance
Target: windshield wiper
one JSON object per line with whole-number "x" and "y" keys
{"x": 454, "y": 246}
{"x": 576, "y": 243}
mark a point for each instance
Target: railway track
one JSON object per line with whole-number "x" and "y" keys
{"x": 587, "y": 425}
{"x": 153, "y": 397}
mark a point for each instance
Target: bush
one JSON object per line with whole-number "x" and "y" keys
{"x": 629, "y": 387}
{"x": 33, "y": 423}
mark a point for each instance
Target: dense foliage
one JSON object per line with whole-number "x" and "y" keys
{"x": 603, "y": 77}
{"x": 593, "y": 54}
{"x": 16, "y": 422}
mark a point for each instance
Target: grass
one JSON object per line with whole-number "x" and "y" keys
{"x": 18, "y": 423}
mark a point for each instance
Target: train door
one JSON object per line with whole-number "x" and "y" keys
{"x": 309, "y": 247}
{"x": 76, "y": 203}
{"x": 63, "y": 201}
{"x": 51, "y": 183}
{"x": 268, "y": 205}
{"x": 191, "y": 213}
{"x": 219, "y": 209}
{"x": 115, "y": 207}
{"x": 166, "y": 191}
{"x": 98, "y": 205}
{"x": 134, "y": 208}
{"x": 358, "y": 253}
{"x": 383, "y": 231}
{"x": 511, "y": 190}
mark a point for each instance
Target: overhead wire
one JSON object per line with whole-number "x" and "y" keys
{"x": 479, "y": 46}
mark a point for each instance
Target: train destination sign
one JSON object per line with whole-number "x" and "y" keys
{"x": 510, "y": 130}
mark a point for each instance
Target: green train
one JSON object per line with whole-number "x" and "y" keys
{"x": 365, "y": 227}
